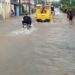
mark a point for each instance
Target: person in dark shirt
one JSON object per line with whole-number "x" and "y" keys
{"x": 67, "y": 12}
{"x": 70, "y": 15}
{"x": 52, "y": 9}
{"x": 26, "y": 20}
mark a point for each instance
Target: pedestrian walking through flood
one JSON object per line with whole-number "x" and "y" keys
{"x": 69, "y": 15}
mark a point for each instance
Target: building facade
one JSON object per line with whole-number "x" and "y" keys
{"x": 1, "y": 11}
{"x": 21, "y": 6}
{"x": 27, "y": 5}
{"x": 5, "y": 9}
{"x": 15, "y": 7}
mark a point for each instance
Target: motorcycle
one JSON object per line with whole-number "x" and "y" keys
{"x": 28, "y": 26}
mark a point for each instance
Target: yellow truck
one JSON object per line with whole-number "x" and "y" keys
{"x": 43, "y": 13}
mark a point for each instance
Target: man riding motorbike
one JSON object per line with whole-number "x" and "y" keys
{"x": 26, "y": 20}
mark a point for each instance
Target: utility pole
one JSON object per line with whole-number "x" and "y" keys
{"x": 19, "y": 7}
{"x": 29, "y": 6}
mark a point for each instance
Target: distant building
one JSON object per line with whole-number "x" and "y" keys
{"x": 37, "y": 1}
{"x": 40, "y": 1}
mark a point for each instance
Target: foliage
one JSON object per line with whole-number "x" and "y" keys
{"x": 64, "y": 8}
{"x": 68, "y": 3}
{"x": 55, "y": 4}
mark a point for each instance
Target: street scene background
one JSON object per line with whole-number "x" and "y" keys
{"x": 48, "y": 48}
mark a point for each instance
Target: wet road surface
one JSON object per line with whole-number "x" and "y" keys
{"x": 45, "y": 49}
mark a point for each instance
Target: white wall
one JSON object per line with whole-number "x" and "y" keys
{"x": 32, "y": 1}
{"x": 1, "y": 11}
{"x": 8, "y": 1}
{"x": 5, "y": 9}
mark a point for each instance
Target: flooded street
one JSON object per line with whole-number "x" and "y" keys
{"x": 45, "y": 49}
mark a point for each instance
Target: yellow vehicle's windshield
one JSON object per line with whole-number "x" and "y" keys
{"x": 42, "y": 10}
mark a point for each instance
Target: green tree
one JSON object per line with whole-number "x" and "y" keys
{"x": 68, "y": 3}
{"x": 56, "y": 4}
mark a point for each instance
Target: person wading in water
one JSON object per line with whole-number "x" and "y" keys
{"x": 70, "y": 15}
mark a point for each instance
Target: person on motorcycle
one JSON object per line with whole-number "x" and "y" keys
{"x": 26, "y": 20}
